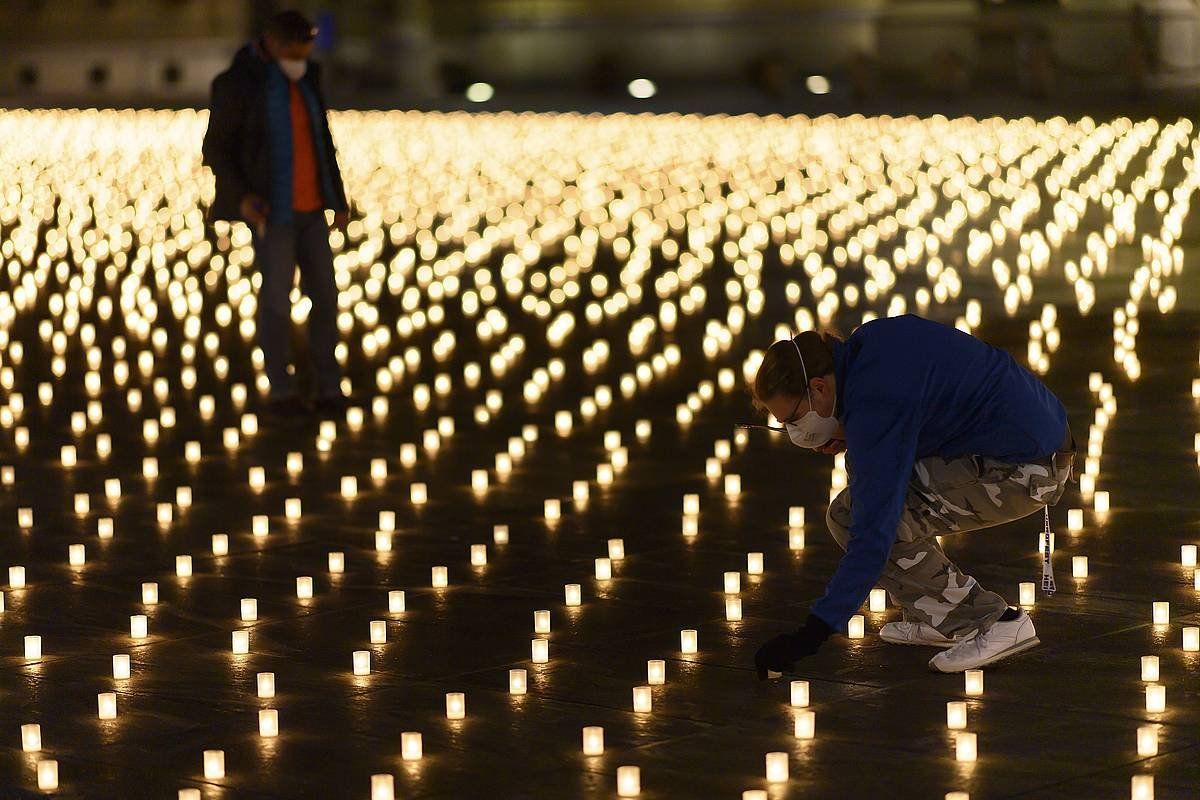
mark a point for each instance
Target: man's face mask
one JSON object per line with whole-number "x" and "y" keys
{"x": 811, "y": 430}
{"x": 294, "y": 68}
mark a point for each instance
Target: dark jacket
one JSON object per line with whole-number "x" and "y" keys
{"x": 236, "y": 145}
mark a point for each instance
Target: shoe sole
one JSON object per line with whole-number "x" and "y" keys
{"x": 918, "y": 642}
{"x": 1003, "y": 654}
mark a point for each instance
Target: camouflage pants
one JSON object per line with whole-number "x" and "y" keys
{"x": 950, "y": 496}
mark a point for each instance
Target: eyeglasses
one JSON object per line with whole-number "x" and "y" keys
{"x": 791, "y": 417}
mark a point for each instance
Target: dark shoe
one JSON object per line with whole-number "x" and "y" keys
{"x": 290, "y": 407}
{"x": 332, "y": 406}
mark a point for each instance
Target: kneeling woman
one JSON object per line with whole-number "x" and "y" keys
{"x": 943, "y": 433}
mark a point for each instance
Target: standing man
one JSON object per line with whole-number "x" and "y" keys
{"x": 943, "y": 433}
{"x": 270, "y": 150}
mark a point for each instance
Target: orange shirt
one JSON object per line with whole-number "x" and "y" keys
{"x": 306, "y": 192}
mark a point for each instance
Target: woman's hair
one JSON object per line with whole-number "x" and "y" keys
{"x": 781, "y": 370}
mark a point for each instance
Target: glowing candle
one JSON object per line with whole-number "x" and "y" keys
{"x": 733, "y": 582}
{"x": 304, "y": 587}
{"x": 266, "y": 684}
{"x": 456, "y": 705}
{"x": 796, "y": 516}
{"x": 16, "y": 577}
{"x": 796, "y": 539}
{"x": 418, "y": 494}
{"x": 67, "y": 455}
{"x": 755, "y": 794}
{"x": 165, "y": 513}
{"x": 1147, "y": 740}
{"x": 552, "y": 509}
{"x": 604, "y": 474}
{"x": 855, "y": 626}
{"x": 383, "y": 542}
{"x": 733, "y": 609}
{"x": 573, "y": 594}
{"x": 1087, "y": 486}
{"x": 337, "y": 562}
{"x": 642, "y": 701}
{"x": 965, "y": 746}
{"x": 500, "y": 534}
{"x": 1149, "y": 668}
{"x": 1075, "y": 519}
{"x": 691, "y": 526}
{"x": 440, "y": 578}
{"x": 47, "y": 775}
{"x": 396, "y": 601}
{"x": 214, "y": 764}
{"x": 1079, "y": 566}
{"x": 220, "y": 544}
{"x": 137, "y": 626}
{"x": 1191, "y": 639}
{"x": 241, "y": 642}
{"x": 83, "y": 504}
{"x": 76, "y": 555}
{"x": 754, "y": 563}
{"x": 956, "y": 715}
{"x": 362, "y": 662}
{"x": 379, "y": 469}
{"x": 479, "y": 480}
{"x": 183, "y": 566}
{"x": 31, "y": 737}
{"x": 799, "y": 694}
{"x": 25, "y": 518}
{"x": 805, "y": 725}
{"x": 104, "y": 527}
{"x": 292, "y": 508}
{"x": 257, "y": 478}
{"x": 189, "y": 794}
{"x": 540, "y": 651}
{"x": 777, "y": 767}
{"x": 295, "y": 463}
{"x": 973, "y": 679}
{"x": 593, "y": 740}
{"x": 688, "y": 641}
{"x": 616, "y": 549}
{"x": 120, "y": 667}
{"x": 1026, "y": 593}
{"x": 878, "y": 600}
{"x": 517, "y": 681}
{"x": 1156, "y": 698}
{"x": 629, "y": 781}
{"x": 383, "y": 787}
{"x": 1187, "y": 555}
{"x": 106, "y": 703}
{"x": 541, "y": 621}
{"x": 1161, "y": 612}
{"x": 733, "y": 485}
{"x": 1100, "y": 502}
{"x": 478, "y": 555}
{"x": 33, "y": 646}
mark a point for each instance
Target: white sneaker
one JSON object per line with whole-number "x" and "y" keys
{"x": 1001, "y": 640}
{"x": 915, "y": 633}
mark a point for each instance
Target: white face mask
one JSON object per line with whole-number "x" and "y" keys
{"x": 294, "y": 68}
{"x": 811, "y": 430}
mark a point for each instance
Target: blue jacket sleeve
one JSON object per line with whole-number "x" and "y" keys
{"x": 881, "y": 443}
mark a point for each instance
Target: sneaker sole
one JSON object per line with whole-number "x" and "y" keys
{"x": 918, "y": 642}
{"x": 1003, "y": 654}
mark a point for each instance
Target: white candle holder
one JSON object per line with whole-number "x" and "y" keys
{"x": 33, "y": 647}
{"x": 47, "y": 775}
{"x": 688, "y": 641}
{"x": 220, "y": 544}
{"x": 396, "y": 602}
{"x": 855, "y": 627}
{"x": 362, "y": 662}
{"x": 517, "y": 681}
{"x": 572, "y": 595}
{"x": 973, "y": 680}
{"x": 656, "y": 672}
{"x": 777, "y": 767}
{"x": 1156, "y": 698}
{"x": 106, "y": 705}
{"x": 241, "y": 642}
{"x": 378, "y": 630}
{"x": 337, "y": 562}
{"x": 31, "y": 737}
{"x": 540, "y": 651}
{"x": 1026, "y": 593}
{"x": 956, "y": 715}
{"x": 1147, "y": 740}
{"x": 120, "y": 667}
{"x": 805, "y": 724}
{"x": 265, "y": 684}
{"x": 439, "y": 577}
{"x": 137, "y": 626}
{"x": 593, "y": 740}
{"x": 304, "y": 587}
{"x": 456, "y": 705}
{"x": 411, "y": 746}
{"x": 965, "y": 746}
{"x": 214, "y": 764}
{"x": 1079, "y": 566}
{"x": 1161, "y": 612}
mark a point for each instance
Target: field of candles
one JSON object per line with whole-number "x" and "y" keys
{"x": 535, "y": 557}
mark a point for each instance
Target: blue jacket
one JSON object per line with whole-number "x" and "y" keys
{"x": 908, "y": 388}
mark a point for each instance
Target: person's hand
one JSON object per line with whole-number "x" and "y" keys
{"x": 340, "y": 220}
{"x": 781, "y": 653}
{"x": 832, "y": 447}
{"x": 254, "y": 209}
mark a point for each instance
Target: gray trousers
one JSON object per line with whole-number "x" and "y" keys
{"x": 304, "y": 241}
{"x": 951, "y": 496}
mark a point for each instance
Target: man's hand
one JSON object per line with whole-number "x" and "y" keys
{"x": 781, "y": 653}
{"x": 254, "y": 209}
{"x": 832, "y": 447}
{"x": 340, "y": 220}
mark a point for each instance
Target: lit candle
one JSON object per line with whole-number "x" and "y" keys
{"x": 149, "y": 593}
{"x": 379, "y": 469}
{"x": 1191, "y": 639}
{"x": 383, "y": 787}
{"x": 573, "y": 594}
{"x": 1026, "y": 593}
{"x": 552, "y": 509}
{"x": 799, "y": 694}
{"x": 410, "y": 746}
{"x": 974, "y": 682}
{"x": 362, "y": 662}
{"x": 642, "y": 699}
{"x": 688, "y": 643}
{"x": 540, "y": 649}
{"x": 956, "y": 715}
{"x": 1079, "y": 566}
{"x": 396, "y": 601}
{"x": 456, "y": 705}
{"x": 292, "y": 508}
{"x": 106, "y": 703}
{"x": 418, "y": 494}
{"x": 1156, "y": 698}
{"x": 47, "y": 775}
{"x": 16, "y": 577}
{"x": 266, "y": 684}
{"x": 31, "y": 737}
{"x": 629, "y": 781}
{"x": 304, "y": 587}
{"x": 777, "y": 767}
{"x": 249, "y": 609}
{"x": 796, "y": 539}
{"x": 479, "y": 480}
{"x": 616, "y": 549}
{"x": 1142, "y": 786}
{"x": 603, "y": 569}
{"x": 755, "y": 794}
{"x": 1161, "y": 612}
{"x": 478, "y": 555}
{"x": 1149, "y": 668}
{"x": 541, "y": 621}
{"x": 120, "y": 667}
{"x": 383, "y": 542}
{"x": 378, "y": 631}
{"x": 183, "y": 566}
{"x": 1147, "y": 740}
{"x": 691, "y": 526}
{"x": 805, "y": 726}
{"x": 33, "y": 646}
{"x": 656, "y": 672}
{"x": 104, "y": 527}
{"x": 733, "y": 582}
{"x": 604, "y": 474}
{"x": 214, "y": 764}
{"x": 1187, "y": 555}
{"x": 878, "y": 600}
{"x": 593, "y": 740}
{"x": 241, "y": 642}
{"x": 855, "y": 626}
{"x": 964, "y": 746}
{"x": 754, "y": 563}
{"x": 440, "y": 577}
{"x": 733, "y": 485}
{"x": 691, "y": 504}
{"x": 500, "y": 534}
{"x": 733, "y": 609}
{"x": 796, "y": 516}
{"x": 1100, "y": 502}
{"x": 517, "y": 681}
{"x": 220, "y": 544}
{"x": 337, "y": 562}
{"x": 1075, "y": 519}
{"x": 137, "y": 626}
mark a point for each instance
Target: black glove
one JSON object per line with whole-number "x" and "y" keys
{"x": 779, "y": 654}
